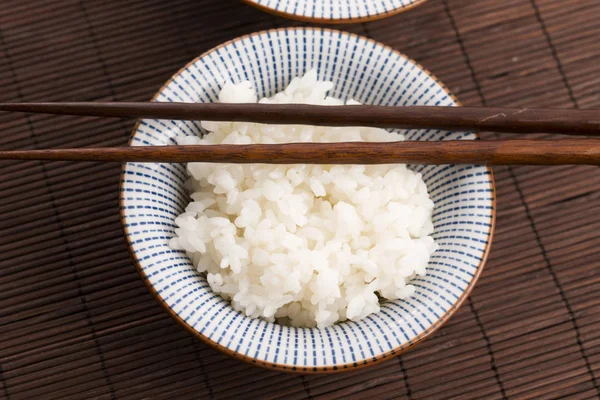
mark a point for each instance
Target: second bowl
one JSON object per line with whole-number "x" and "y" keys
{"x": 334, "y": 11}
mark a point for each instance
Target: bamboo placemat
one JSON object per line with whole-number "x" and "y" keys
{"x": 76, "y": 320}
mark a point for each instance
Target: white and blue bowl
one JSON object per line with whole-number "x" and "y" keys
{"x": 152, "y": 195}
{"x": 334, "y": 11}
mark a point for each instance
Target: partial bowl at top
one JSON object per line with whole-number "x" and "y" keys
{"x": 152, "y": 195}
{"x": 334, "y": 11}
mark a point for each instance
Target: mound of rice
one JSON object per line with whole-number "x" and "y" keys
{"x": 304, "y": 245}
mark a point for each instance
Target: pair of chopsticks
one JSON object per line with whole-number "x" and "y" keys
{"x": 492, "y": 152}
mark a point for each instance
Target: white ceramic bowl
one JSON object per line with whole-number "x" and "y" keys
{"x": 152, "y": 195}
{"x": 334, "y": 11}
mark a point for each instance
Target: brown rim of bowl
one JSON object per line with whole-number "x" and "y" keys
{"x": 329, "y": 369}
{"x": 357, "y": 20}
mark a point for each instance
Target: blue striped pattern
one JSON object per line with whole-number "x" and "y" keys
{"x": 336, "y": 10}
{"x": 153, "y": 194}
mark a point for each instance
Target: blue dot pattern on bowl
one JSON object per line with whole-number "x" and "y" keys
{"x": 153, "y": 194}
{"x": 336, "y": 10}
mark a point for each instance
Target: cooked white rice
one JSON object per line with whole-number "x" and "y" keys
{"x": 305, "y": 245}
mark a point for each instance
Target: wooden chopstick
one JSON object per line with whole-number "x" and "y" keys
{"x": 510, "y": 120}
{"x": 491, "y": 152}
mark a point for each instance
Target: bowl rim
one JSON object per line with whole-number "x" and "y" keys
{"x": 285, "y": 367}
{"x": 351, "y": 20}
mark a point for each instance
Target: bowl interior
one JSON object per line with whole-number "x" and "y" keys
{"x": 152, "y": 195}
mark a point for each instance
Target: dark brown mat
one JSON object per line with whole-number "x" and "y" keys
{"x": 77, "y": 322}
